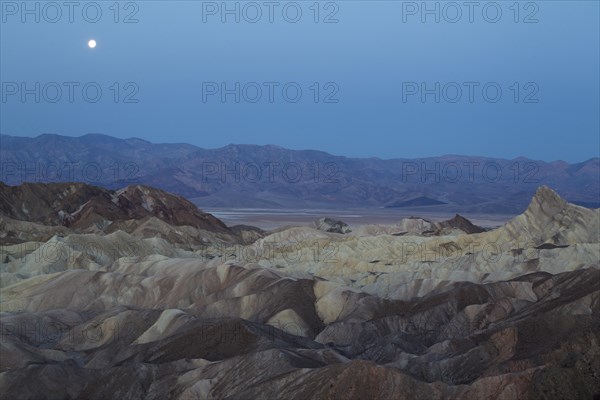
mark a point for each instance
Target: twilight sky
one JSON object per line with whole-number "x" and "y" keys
{"x": 385, "y": 80}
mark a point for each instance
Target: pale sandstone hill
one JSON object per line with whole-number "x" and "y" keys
{"x": 551, "y": 235}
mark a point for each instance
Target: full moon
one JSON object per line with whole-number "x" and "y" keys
{"x": 92, "y": 44}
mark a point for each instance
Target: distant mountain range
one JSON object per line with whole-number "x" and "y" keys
{"x": 274, "y": 177}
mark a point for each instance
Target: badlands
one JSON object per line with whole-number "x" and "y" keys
{"x": 137, "y": 294}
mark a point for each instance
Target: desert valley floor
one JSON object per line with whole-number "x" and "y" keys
{"x": 275, "y": 218}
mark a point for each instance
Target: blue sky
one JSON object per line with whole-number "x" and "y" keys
{"x": 370, "y": 68}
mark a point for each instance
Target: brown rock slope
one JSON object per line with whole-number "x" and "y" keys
{"x": 82, "y": 206}
{"x": 63, "y": 208}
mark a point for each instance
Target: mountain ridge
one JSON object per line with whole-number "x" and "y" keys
{"x": 259, "y": 175}
{"x": 38, "y": 210}
{"x": 276, "y": 146}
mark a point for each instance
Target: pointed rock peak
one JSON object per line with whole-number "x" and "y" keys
{"x": 458, "y": 217}
{"x": 545, "y": 191}
{"x": 460, "y": 222}
{"x": 547, "y": 201}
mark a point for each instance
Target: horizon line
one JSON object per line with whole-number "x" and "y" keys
{"x": 300, "y": 149}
